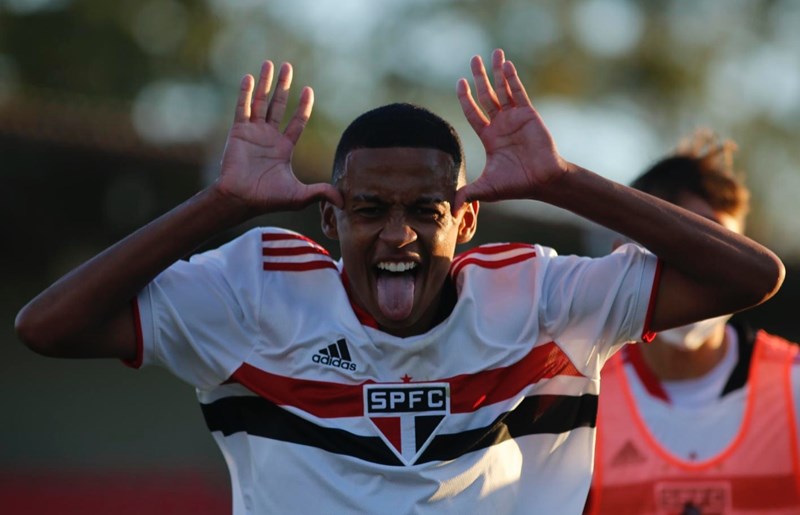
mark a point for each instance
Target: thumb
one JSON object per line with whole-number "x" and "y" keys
{"x": 461, "y": 198}
{"x": 481, "y": 189}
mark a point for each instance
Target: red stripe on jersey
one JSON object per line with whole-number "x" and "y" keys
{"x": 472, "y": 391}
{"x": 494, "y": 249}
{"x": 293, "y": 251}
{"x": 633, "y": 355}
{"x": 299, "y": 267}
{"x": 468, "y": 392}
{"x": 320, "y": 398}
{"x": 362, "y": 315}
{"x": 456, "y": 269}
{"x": 269, "y": 236}
{"x": 136, "y": 362}
{"x": 647, "y": 334}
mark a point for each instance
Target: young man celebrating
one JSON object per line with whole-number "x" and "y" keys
{"x": 400, "y": 378}
{"x": 703, "y": 419}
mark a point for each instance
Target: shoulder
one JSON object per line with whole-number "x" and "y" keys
{"x": 276, "y": 236}
{"x": 497, "y": 256}
{"x": 500, "y": 256}
{"x": 289, "y": 251}
{"x": 269, "y": 249}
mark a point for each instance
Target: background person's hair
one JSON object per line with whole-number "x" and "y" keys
{"x": 399, "y": 125}
{"x": 702, "y": 164}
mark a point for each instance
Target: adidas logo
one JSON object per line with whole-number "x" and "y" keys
{"x": 335, "y": 355}
{"x": 628, "y": 455}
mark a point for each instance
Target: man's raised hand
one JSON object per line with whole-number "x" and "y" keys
{"x": 256, "y": 164}
{"x": 521, "y": 157}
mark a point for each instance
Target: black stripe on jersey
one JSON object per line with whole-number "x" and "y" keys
{"x": 259, "y": 417}
{"x": 542, "y": 414}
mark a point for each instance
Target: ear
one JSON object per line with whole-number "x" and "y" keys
{"x": 328, "y": 219}
{"x": 469, "y": 221}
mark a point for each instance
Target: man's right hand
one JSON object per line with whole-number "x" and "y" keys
{"x": 256, "y": 165}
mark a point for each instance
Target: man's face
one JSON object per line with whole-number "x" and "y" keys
{"x": 397, "y": 234}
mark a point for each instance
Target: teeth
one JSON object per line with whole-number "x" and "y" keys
{"x": 397, "y": 267}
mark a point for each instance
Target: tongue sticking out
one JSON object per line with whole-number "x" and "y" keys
{"x": 396, "y": 295}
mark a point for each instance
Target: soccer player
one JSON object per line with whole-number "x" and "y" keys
{"x": 703, "y": 419}
{"x": 400, "y": 378}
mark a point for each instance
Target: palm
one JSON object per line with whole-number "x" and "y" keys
{"x": 521, "y": 157}
{"x": 256, "y": 165}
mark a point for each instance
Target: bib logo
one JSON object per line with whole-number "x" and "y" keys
{"x": 699, "y": 497}
{"x": 407, "y": 415}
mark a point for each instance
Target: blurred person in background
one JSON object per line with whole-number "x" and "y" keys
{"x": 400, "y": 378}
{"x": 704, "y": 418}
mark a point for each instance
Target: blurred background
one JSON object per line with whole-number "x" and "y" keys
{"x": 113, "y": 112}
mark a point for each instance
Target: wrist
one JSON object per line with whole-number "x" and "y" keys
{"x": 550, "y": 190}
{"x": 227, "y": 207}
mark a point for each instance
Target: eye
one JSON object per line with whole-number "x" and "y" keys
{"x": 368, "y": 211}
{"x": 428, "y": 212}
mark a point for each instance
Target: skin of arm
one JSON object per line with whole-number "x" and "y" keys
{"x": 87, "y": 313}
{"x": 708, "y": 270}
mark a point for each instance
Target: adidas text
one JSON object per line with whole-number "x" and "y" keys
{"x": 333, "y": 362}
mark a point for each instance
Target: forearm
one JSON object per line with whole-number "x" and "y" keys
{"x": 699, "y": 248}
{"x": 81, "y": 302}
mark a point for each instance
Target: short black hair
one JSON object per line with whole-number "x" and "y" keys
{"x": 703, "y": 165}
{"x": 399, "y": 125}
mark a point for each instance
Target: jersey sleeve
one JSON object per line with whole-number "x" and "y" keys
{"x": 591, "y": 306}
{"x": 199, "y": 319}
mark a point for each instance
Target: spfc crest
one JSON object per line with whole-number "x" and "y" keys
{"x": 407, "y": 415}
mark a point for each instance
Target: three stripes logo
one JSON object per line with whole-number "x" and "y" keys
{"x": 628, "y": 455}
{"x": 335, "y": 355}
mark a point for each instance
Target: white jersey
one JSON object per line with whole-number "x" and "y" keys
{"x": 318, "y": 411}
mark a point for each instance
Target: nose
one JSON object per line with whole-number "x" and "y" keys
{"x": 397, "y": 233}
